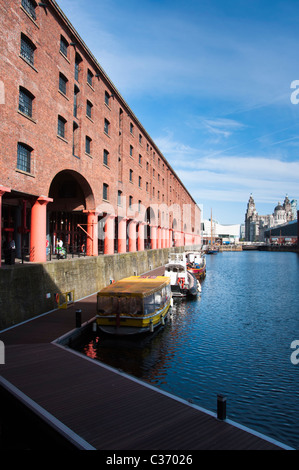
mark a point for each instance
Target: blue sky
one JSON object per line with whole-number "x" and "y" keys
{"x": 210, "y": 80}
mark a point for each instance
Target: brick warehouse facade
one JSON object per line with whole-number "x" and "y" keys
{"x": 76, "y": 164}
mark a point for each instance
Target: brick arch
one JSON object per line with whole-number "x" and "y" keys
{"x": 71, "y": 191}
{"x": 150, "y": 216}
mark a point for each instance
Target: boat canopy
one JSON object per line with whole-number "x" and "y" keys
{"x": 141, "y": 286}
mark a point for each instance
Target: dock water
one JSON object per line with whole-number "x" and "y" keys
{"x": 92, "y": 406}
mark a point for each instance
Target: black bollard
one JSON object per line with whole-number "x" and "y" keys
{"x": 221, "y": 407}
{"x": 78, "y": 318}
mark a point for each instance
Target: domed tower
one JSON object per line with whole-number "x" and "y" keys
{"x": 279, "y": 215}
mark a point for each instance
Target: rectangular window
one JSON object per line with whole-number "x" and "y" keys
{"x": 130, "y": 201}
{"x": 63, "y": 46}
{"x": 131, "y": 128}
{"x": 88, "y": 145}
{"x": 105, "y": 191}
{"x": 62, "y": 83}
{"x": 105, "y": 157}
{"x": 24, "y": 158}
{"x": 140, "y": 159}
{"x": 25, "y": 102}
{"x": 139, "y": 181}
{"x": 76, "y": 94}
{"x": 131, "y": 151}
{"x": 89, "y": 109}
{"x": 89, "y": 77}
{"x": 78, "y": 61}
{"x": 76, "y": 140}
{"x": 107, "y": 97}
{"x": 30, "y": 6}
{"x": 131, "y": 176}
{"x": 119, "y": 195}
{"x": 27, "y": 49}
{"x": 61, "y": 127}
{"x": 106, "y": 126}
{"x": 140, "y": 139}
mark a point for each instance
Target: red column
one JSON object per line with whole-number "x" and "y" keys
{"x": 140, "y": 241}
{"x": 109, "y": 235}
{"x": 122, "y": 235}
{"x": 92, "y": 234}
{"x": 132, "y": 236}
{"x": 162, "y": 237}
{"x": 159, "y": 238}
{"x": 3, "y": 190}
{"x": 153, "y": 237}
{"x": 38, "y": 232}
{"x": 170, "y": 238}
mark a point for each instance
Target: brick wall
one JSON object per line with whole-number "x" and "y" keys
{"x": 127, "y": 143}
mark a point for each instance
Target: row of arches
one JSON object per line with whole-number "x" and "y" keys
{"x": 69, "y": 216}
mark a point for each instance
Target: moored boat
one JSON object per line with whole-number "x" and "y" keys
{"x": 137, "y": 304}
{"x": 183, "y": 283}
{"x": 196, "y": 264}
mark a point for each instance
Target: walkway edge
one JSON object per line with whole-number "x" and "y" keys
{"x": 174, "y": 397}
{"x": 53, "y": 422}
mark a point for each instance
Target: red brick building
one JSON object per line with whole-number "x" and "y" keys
{"x": 76, "y": 164}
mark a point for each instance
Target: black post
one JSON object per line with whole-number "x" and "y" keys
{"x": 221, "y": 407}
{"x": 78, "y": 318}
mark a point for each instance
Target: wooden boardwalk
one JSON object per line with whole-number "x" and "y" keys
{"x": 97, "y": 407}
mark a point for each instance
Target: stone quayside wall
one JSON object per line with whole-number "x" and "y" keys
{"x": 29, "y": 290}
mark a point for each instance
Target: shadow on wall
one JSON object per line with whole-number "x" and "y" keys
{"x": 27, "y": 291}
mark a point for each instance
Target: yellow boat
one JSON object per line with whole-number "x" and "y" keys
{"x": 136, "y": 304}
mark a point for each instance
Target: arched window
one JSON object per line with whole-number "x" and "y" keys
{"x": 78, "y": 67}
{"x": 26, "y": 102}
{"x": 30, "y": 6}
{"x": 24, "y": 157}
{"x": 64, "y": 46}
{"x": 27, "y": 49}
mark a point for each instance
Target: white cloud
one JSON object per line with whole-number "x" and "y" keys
{"x": 230, "y": 177}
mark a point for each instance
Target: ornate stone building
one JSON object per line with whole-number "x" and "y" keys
{"x": 255, "y": 225}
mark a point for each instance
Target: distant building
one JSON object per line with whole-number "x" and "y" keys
{"x": 286, "y": 234}
{"x": 222, "y": 234}
{"x": 256, "y": 225}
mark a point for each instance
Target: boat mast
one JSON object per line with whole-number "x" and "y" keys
{"x": 211, "y": 229}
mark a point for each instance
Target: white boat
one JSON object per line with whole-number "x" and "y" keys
{"x": 182, "y": 282}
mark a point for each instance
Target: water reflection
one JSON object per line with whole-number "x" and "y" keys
{"x": 234, "y": 340}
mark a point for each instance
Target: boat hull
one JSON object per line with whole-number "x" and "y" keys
{"x": 124, "y": 325}
{"x": 191, "y": 291}
{"x": 199, "y": 273}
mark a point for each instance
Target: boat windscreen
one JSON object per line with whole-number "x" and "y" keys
{"x": 112, "y": 305}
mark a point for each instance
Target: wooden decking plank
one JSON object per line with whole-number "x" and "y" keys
{"x": 119, "y": 413}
